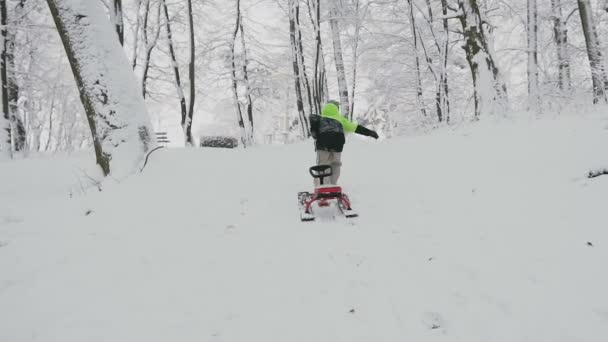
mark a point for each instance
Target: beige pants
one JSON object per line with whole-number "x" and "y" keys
{"x": 334, "y": 160}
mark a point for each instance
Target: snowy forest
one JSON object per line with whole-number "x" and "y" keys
{"x": 255, "y": 70}
{"x": 304, "y": 170}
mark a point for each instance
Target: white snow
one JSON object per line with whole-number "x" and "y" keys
{"x": 483, "y": 233}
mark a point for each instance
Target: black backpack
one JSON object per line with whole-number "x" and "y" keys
{"x": 315, "y": 122}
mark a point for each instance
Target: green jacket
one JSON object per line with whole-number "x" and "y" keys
{"x": 331, "y": 111}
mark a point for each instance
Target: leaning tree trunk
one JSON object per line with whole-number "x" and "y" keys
{"x": 594, "y": 52}
{"x": 117, "y": 116}
{"x": 178, "y": 79}
{"x": 490, "y": 92}
{"x": 561, "y": 43}
{"x": 532, "y": 30}
{"x": 339, "y": 61}
{"x": 191, "y": 77}
{"x": 296, "y": 69}
{"x": 5, "y": 126}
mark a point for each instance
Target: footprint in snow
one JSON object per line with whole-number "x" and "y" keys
{"x": 433, "y": 321}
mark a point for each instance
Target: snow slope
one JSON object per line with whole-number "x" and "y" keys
{"x": 483, "y": 233}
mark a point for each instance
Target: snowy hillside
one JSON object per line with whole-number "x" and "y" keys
{"x": 485, "y": 233}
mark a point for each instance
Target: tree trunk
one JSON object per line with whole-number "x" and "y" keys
{"x": 561, "y": 43}
{"x": 356, "y": 38}
{"x": 245, "y": 61}
{"x": 235, "y": 89}
{"x": 5, "y": 125}
{"x": 489, "y": 89}
{"x": 594, "y": 52}
{"x": 136, "y": 35}
{"x": 116, "y": 114}
{"x": 300, "y": 55}
{"x": 191, "y": 76}
{"x": 149, "y": 44}
{"x": 178, "y": 80}
{"x": 419, "y": 94}
{"x": 296, "y": 69}
{"x": 339, "y": 61}
{"x": 18, "y": 128}
{"x": 532, "y": 30}
{"x": 320, "y": 77}
{"x": 445, "y": 98}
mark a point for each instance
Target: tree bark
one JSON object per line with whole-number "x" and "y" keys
{"x": 594, "y": 52}
{"x": 489, "y": 90}
{"x": 117, "y": 116}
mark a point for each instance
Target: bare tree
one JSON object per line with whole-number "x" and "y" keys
{"x": 149, "y": 44}
{"x": 249, "y": 99}
{"x": 5, "y": 126}
{"x": 136, "y": 33}
{"x": 192, "y": 78}
{"x": 532, "y": 30}
{"x": 419, "y": 95}
{"x": 18, "y": 128}
{"x": 235, "y": 89}
{"x": 319, "y": 88}
{"x": 300, "y": 54}
{"x": 594, "y": 52}
{"x": 444, "y": 99}
{"x": 560, "y": 33}
{"x": 489, "y": 89}
{"x": 295, "y": 51}
{"x": 116, "y": 115}
{"x": 176, "y": 73}
{"x": 338, "y": 59}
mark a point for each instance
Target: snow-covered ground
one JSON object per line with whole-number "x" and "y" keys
{"x": 489, "y": 232}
